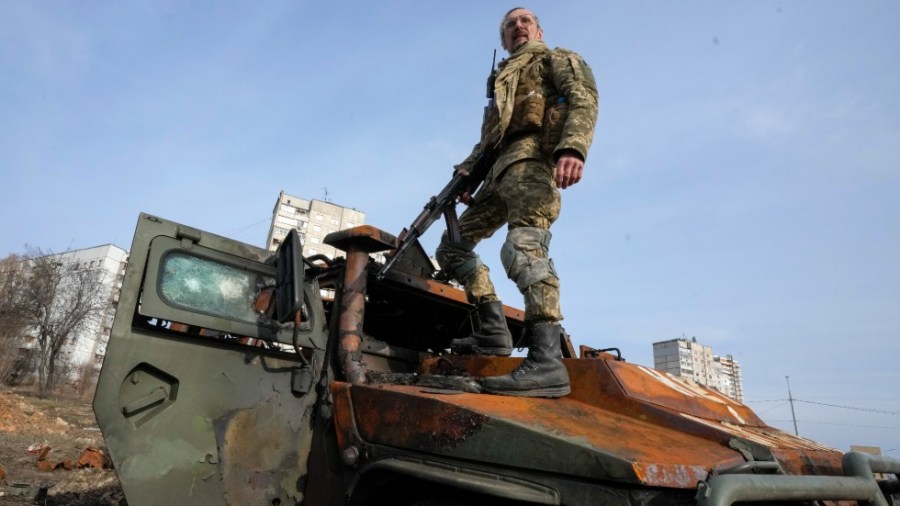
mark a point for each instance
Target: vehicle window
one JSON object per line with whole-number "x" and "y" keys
{"x": 207, "y": 286}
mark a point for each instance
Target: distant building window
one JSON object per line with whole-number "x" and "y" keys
{"x": 319, "y": 217}
{"x": 334, "y": 221}
{"x": 288, "y": 209}
{"x": 286, "y": 221}
{"x": 317, "y": 228}
{"x": 314, "y": 240}
{"x": 350, "y": 224}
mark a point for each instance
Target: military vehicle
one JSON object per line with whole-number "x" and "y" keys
{"x": 239, "y": 376}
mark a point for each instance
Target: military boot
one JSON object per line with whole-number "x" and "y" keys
{"x": 492, "y": 338}
{"x": 541, "y": 373}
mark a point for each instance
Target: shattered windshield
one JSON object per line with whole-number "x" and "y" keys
{"x": 206, "y": 286}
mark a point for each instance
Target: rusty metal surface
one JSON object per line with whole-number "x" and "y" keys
{"x": 646, "y": 394}
{"x": 426, "y": 286}
{"x": 645, "y": 417}
{"x": 539, "y": 434}
{"x": 342, "y": 414}
{"x": 357, "y": 242}
{"x": 765, "y": 436}
{"x": 656, "y": 387}
{"x": 364, "y": 237}
{"x": 816, "y": 462}
{"x": 352, "y": 314}
{"x": 261, "y": 453}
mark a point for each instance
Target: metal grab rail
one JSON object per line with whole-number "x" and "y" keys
{"x": 859, "y": 484}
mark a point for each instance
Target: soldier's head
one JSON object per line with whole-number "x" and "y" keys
{"x": 519, "y": 26}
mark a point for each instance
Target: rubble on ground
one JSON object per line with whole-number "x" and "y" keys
{"x": 51, "y": 451}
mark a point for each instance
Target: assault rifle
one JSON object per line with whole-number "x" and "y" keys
{"x": 444, "y": 203}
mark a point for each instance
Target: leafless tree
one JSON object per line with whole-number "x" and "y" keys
{"x": 55, "y": 300}
{"x": 12, "y": 325}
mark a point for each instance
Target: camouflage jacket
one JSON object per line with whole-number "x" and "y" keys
{"x": 545, "y": 102}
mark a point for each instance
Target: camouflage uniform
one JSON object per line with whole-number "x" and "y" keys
{"x": 545, "y": 105}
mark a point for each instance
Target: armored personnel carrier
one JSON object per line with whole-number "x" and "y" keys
{"x": 239, "y": 376}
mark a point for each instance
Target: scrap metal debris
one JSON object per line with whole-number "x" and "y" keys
{"x": 54, "y": 430}
{"x": 90, "y": 457}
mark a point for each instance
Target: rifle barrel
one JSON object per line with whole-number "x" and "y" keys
{"x": 437, "y": 205}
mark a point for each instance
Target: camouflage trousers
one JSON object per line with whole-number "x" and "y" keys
{"x": 525, "y": 198}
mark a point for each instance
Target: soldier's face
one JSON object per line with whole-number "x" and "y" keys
{"x": 520, "y": 27}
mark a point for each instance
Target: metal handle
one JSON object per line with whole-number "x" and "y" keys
{"x": 155, "y": 397}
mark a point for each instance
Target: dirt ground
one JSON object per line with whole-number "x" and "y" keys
{"x": 28, "y": 427}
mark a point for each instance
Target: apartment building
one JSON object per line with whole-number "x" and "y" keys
{"x": 695, "y": 361}
{"x": 729, "y": 374}
{"x": 89, "y": 345}
{"x": 313, "y": 219}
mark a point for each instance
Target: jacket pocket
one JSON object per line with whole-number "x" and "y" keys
{"x": 554, "y": 122}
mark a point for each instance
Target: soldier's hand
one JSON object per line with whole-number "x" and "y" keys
{"x": 465, "y": 196}
{"x": 569, "y": 168}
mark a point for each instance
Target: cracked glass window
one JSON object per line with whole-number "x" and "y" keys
{"x": 210, "y": 287}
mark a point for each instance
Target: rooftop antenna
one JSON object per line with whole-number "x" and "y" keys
{"x": 791, "y": 399}
{"x": 325, "y": 189}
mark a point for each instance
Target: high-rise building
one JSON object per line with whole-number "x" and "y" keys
{"x": 683, "y": 358}
{"x": 690, "y": 359}
{"x": 729, "y": 374}
{"x": 313, "y": 219}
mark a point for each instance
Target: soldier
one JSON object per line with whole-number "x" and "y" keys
{"x": 539, "y": 127}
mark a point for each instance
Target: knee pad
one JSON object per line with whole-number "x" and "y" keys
{"x": 521, "y": 264}
{"x": 457, "y": 259}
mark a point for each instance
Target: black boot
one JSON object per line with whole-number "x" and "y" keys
{"x": 493, "y": 338}
{"x": 541, "y": 374}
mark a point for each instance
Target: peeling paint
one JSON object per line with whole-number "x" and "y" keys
{"x": 681, "y": 476}
{"x": 736, "y": 415}
{"x": 686, "y": 387}
{"x": 763, "y": 436}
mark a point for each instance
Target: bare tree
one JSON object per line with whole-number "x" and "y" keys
{"x": 57, "y": 299}
{"x": 12, "y": 325}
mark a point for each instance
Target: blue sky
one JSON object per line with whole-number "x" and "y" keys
{"x": 742, "y": 188}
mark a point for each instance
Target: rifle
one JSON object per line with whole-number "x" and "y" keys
{"x": 444, "y": 203}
